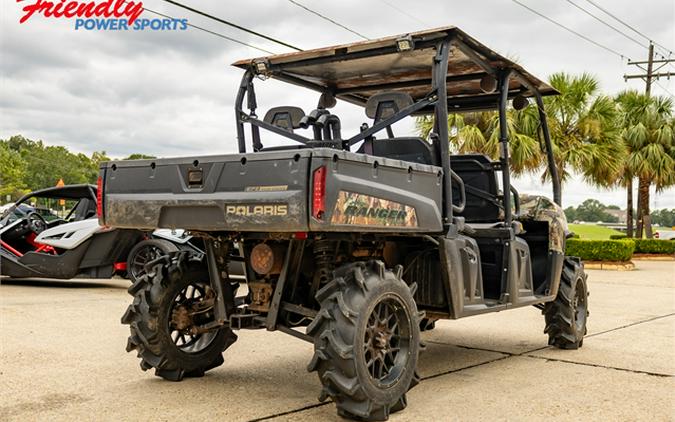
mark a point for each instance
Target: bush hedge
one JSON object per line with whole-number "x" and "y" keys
{"x": 655, "y": 246}
{"x": 601, "y": 250}
{"x": 617, "y": 236}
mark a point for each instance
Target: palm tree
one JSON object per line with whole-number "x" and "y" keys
{"x": 583, "y": 129}
{"x": 632, "y": 106}
{"x": 648, "y": 134}
{"x": 479, "y": 133}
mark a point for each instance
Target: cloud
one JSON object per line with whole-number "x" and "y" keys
{"x": 171, "y": 93}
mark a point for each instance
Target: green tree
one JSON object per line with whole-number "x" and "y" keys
{"x": 137, "y": 156}
{"x": 97, "y": 157}
{"x": 571, "y": 214}
{"x": 46, "y": 164}
{"x": 479, "y": 133}
{"x": 593, "y": 210}
{"x": 664, "y": 217}
{"x": 12, "y": 173}
{"x": 584, "y": 131}
{"x": 648, "y": 131}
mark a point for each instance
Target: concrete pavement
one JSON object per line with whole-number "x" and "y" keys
{"x": 62, "y": 358}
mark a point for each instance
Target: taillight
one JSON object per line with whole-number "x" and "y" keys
{"x": 99, "y": 199}
{"x": 319, "y": 193}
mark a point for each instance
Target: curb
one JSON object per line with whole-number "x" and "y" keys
{"x": 612, "y": 266}
{"x": 653, "y": 257}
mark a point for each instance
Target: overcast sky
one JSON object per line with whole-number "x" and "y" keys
{"x": 171, "y": 93}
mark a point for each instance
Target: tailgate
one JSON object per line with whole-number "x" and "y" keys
{"x": 240, "y": 192}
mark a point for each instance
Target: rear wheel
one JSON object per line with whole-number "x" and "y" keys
{"x": 566, "y": 316}
{"x": 366, "y": 341}
{"x": 145, "y": 252}
{"x": 169, "y": 303}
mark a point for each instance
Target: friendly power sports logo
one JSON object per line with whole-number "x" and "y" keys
{"x": 110, "y": 15}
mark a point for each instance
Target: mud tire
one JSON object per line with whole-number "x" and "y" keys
{"x": 148, "y": 317}
{"x": 342, "y": 340}
{"x": 566, "y": 316}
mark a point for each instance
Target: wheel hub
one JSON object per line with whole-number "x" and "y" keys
{"x": 383, "y": 342}
{"x": 381, "y": 336}
{"x": 192, "y": 307}
{"x": 181, "y": 318}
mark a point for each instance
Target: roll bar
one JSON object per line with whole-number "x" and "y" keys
{"x": 437, "y": 99}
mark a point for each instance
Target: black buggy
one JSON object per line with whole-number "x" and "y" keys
{"x": 354, "y": 243}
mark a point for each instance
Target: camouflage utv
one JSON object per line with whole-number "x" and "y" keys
{"x": 353, "y": 243}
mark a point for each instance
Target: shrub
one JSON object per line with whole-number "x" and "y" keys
{"x": 617, "y": 236}
{"x": 656, "y": 246}
{"x": 601, "y": 250}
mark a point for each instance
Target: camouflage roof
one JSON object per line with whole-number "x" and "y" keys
{"x": 358, "y": 70}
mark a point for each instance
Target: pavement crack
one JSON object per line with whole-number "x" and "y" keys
{"x": 630, "y": 325}
{"x": 596, "y": 365}
{"x": 452, "y": 371}
{"x": 471, "y": 347}
{"x": 290, "y": 412}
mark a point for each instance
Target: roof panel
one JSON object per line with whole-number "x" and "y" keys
{"x": 356, "y": 71}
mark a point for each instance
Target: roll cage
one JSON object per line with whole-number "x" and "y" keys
{"x": 439, "y": 69}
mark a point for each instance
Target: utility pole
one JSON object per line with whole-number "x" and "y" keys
{"x": 643, "y": 218}
{"x": 651, "y": 73}
{"x": 650, "y": 68}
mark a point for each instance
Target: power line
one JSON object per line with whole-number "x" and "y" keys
{"x": 606, "y": 24}
{"x": 212, "y": 32}
{"x": 665, "y": 89}
{"x": 234, "y": 25}
{"x": 623, "y": 56}
{"x": 668, "y": 50}
{"x": 325, "y": 18}
{"x": 403, "y": 12}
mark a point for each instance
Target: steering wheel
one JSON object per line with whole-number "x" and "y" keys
{"x": 36, "y": 222}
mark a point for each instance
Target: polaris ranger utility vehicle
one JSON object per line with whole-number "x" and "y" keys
{"x": 352, "y": 242}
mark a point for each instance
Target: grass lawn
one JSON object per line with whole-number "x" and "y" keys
{"x": 591, "y": 231}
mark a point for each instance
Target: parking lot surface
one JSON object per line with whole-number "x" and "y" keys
{"x": 62, "y": 358}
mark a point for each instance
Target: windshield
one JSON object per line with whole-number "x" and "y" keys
{"x": 51, "y": 209}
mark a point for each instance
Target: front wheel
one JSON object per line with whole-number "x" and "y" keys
{"x": 169, "y": 304}
{"x": 366, "y": 341}
{"x": 566, "y": 316}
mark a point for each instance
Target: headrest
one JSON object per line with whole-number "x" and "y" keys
{"x": 286, "y": 117}
{"x": 385, "y": 104}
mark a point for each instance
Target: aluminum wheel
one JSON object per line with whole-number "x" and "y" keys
{"x": 192, "y": 307}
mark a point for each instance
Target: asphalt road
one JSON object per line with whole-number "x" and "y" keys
{"x": 62, "y": 358}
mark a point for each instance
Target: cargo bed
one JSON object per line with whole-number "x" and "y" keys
{"x": 277, "y": 191}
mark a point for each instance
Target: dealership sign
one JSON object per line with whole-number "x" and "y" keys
{"x": 112, "y": 15}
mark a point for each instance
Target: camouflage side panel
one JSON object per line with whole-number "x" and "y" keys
{"x": 364, "y": 210}
{"x": 540, "y": 208}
